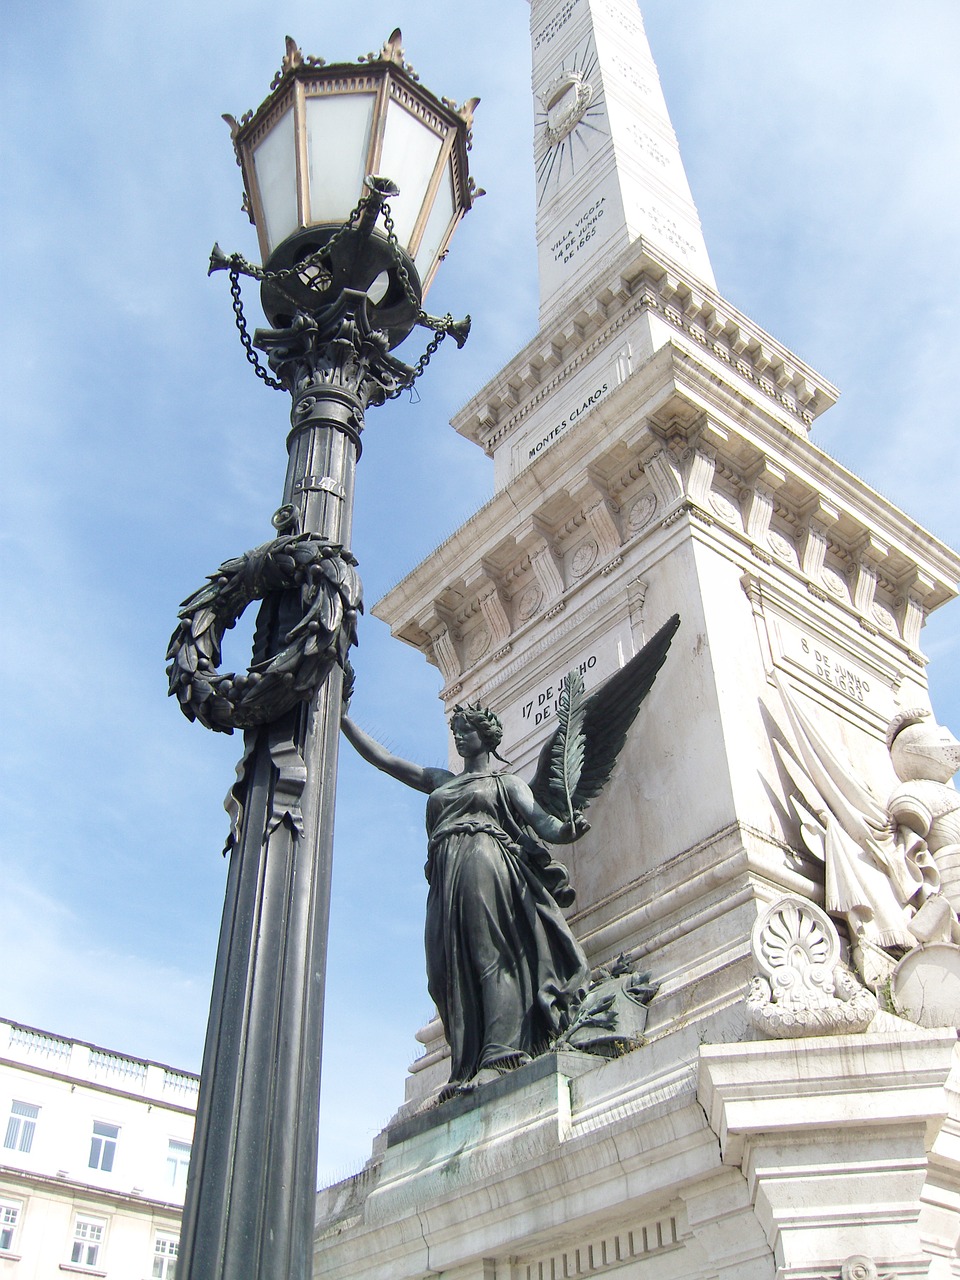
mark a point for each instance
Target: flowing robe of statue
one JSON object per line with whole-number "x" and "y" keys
{"x": 503, "y": 968}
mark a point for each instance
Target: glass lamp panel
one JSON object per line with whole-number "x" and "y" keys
{"x": 275, "y": 162}
{"x": 409, "y": 157}
{"x": 438, "y": 223}
{"x": 338, "y": 141}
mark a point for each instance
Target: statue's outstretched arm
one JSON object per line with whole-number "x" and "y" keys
{"x": 405, "y": 771}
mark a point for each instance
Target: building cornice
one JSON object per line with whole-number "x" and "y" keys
{"x": 97, "y": 1086}
{"x": 639, "y": 280}
{"x": 699, "y": 446}
{"x": 79, "y": 1062}
{"x": 85, "y": 1192}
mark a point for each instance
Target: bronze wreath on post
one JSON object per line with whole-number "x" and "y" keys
{"x": 331, "y": 599}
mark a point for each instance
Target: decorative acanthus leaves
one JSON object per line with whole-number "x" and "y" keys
{"x": 326, "y": 626}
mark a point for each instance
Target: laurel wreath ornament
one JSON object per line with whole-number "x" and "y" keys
{"x": 330, "y": 598}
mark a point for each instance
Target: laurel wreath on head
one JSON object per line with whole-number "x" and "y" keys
{"x": 330, "y": 598}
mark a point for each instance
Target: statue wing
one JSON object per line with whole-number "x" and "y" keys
{"x": 596, "y": 729}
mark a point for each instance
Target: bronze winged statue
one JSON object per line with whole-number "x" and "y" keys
{"x": 503, "y": 966}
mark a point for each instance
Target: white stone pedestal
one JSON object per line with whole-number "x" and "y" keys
{"x": 753, "y": 1161}
{"x": 849, "y": 1146}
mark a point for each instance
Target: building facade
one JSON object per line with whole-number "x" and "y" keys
{"x": 93, "y": 1162}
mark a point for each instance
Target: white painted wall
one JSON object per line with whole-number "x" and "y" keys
{"x": 49, "y": 1186}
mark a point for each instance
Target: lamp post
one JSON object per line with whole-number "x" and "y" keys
{"x": 339, "y": 293}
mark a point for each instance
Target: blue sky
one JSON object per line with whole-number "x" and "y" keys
{"x": 822, "y": 143}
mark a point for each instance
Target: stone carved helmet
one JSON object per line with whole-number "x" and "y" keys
{"x": 922, "y": 749}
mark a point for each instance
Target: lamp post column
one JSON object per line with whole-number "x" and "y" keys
{"x": 249, "y": 1209}
{"x": 341, "y": 293}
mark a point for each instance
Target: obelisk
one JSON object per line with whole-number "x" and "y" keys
{"x": 608, "y": 166}
{"x": 651, "y": 454}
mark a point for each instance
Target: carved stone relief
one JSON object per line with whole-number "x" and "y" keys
{"x": 477, "y": 645}
{"x": 884, "y": 619}
{"x": 805, "y": 990}
{"x": 641, "y": 513}
{"x": 892, "y": 864}
{"x": 781, "y": 547}
{"x": 834, "y": 582}
{"x": 725, "y": 509}
{"x": 530, "y": 602}
{"x": 584, "y": 558}
{"x": 925, "y": 757}
{"x": 859, "y": 1267}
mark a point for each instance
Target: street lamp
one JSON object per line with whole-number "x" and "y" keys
{"x": 333, "y": 152}
{"x": 306, "y": 152}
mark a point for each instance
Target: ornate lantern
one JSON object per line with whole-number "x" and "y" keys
{"x": 306, "y": 154}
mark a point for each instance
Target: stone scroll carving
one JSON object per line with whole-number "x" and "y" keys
{"x": 859, "y": 1267}
{"x": 805, "y": 990}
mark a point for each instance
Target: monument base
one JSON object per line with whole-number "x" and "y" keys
{"x": 760, "y": 1160}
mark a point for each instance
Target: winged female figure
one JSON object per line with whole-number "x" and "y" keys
{"x": 503, "y": 967}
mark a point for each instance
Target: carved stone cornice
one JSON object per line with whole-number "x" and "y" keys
{"x": 483, "y": 585}
{"x": 597, "y": 513}
{"x": 639, "y": 281}
{"x": 663, "y": 472}
{"x": 440, "y": 647}
{"x": 869, "y": 554}
{"x": 698, "y": 447}
{"x": 544, "y": 560}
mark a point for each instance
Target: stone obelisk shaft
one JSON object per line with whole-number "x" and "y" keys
{"x": 608, "y": 165}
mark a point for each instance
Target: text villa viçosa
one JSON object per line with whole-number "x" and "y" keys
{"x": 583, "y": 231}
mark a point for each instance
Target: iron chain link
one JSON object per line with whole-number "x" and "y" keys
{"x": 245, "y": 338}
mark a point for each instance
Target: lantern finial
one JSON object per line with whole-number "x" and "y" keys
{"x": 293, "y": 56}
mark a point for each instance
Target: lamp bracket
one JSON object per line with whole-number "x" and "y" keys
{"x": 309, "y": 291}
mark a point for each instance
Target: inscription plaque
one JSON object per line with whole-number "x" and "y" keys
{"x": 832, "y": 669}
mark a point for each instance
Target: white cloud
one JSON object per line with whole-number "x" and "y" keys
{"x": 61, "y": 974}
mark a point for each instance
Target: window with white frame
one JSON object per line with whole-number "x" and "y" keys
{"x": 165, "y": 1251}
{"x": 88, "y": 1236}
{"x": 9, "y": 1217}
{"x": 178, "y": 1162}
{"x": 20, "y": 1126}
{"x": 103, "y": 1146}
